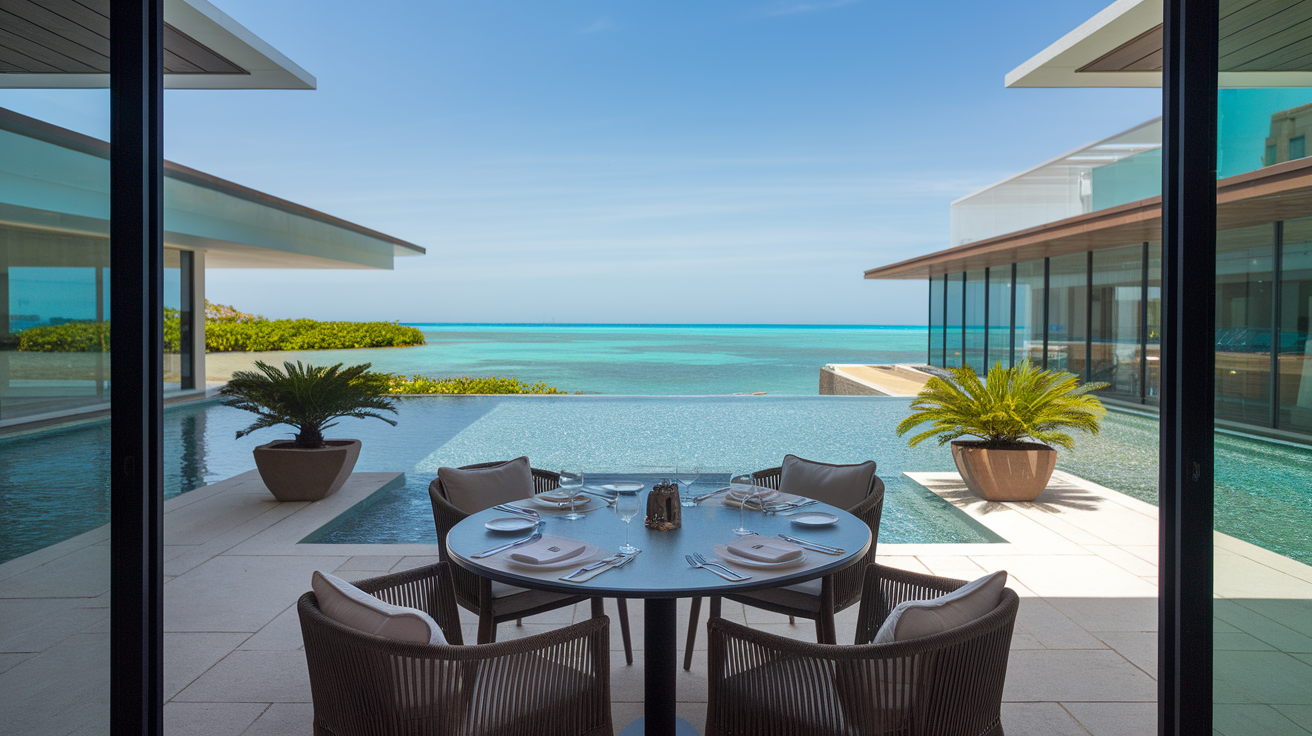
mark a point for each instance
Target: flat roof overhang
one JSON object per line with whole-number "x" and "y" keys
{"x": 56, "y": 180}
{"x": 1279, "y": 192}
{"x": 62, "y": 44}
{"x": 1264, "y": 43}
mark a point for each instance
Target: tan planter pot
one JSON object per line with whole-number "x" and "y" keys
{"x": 298, "y": 474}
{"x": 1018, "y": 474}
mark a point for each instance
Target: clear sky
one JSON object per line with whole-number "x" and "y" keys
{"x": 608, "y": 161}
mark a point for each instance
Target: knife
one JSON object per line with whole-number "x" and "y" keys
{"x": 489, "y": 552}
{"x": 593, "y": 566}
{"x": 590, "y": 574}
{"x": 812, "y": 545}
{"x": 705, "y": 496}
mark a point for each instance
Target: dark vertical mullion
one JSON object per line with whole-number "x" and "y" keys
{"x": 1088, "y": 316}
{"x": 1047, "y": 297}
{"x": 1185, "y": 491}
{"x": 945, "y": 321}
{"x": 187, "y": 319}
{"x": 930, "y": 361}
{"x": 1277, "y": 261}
{"x": 1143, "y": 329}
{"x": 1011, "y": 344}
{"x": 985, "y": 363}
{"x": 136, "y": 364}
{"x": 965, "y": 300}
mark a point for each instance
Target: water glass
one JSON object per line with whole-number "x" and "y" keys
{"x": 743, "y": 488}
{"x": 571, "y": 483}
{"x": 627, "y": 507}
{"x": 687, "y": 475}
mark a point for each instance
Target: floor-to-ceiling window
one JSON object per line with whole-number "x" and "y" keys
{"x": 1153, "y": 325}
{"x": 975, "y": 320}
{"x": 999, "y": 340}
{"x": 1067, "y": 304}
{"x": 1244, "y": 292}
{"x": 1295, "y": 325}
{"x": 936, "y": 291}
{"x": 956, "y": 288}
{"x": 1114, "y": 317}
{"x": 1030, "y": 296}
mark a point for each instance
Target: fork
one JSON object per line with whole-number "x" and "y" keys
{"x": 701, "y": 563}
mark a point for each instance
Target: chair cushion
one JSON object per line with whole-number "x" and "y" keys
{"x": 916, "y": 619}
{"x": 350, "y": 606}
{"x": 843, "y": 486}
{"x": 476, "y": 489}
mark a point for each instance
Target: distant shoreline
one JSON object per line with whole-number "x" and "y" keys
{"x": 716, "y": 325}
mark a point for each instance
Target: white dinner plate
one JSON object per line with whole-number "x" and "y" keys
{"x": 588, "y": 554}
{"x": 559, "y": 495}
{"x": 722, "y": 551}
{"x": 510, "y": 524}
{"x": 622, "y": 486}
{"x": 579, "y": 502}
{"x": 813, "y": 518}
{"x": 762, "y": 496}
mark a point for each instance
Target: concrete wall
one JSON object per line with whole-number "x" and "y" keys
{"x": 833, "y": 383}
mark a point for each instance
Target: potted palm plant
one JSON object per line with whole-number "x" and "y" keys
{"x": 308, "y": 398}
{"x": 1017, "y": 413}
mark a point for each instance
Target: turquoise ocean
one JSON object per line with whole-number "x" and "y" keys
{"x": 664, "y": 360}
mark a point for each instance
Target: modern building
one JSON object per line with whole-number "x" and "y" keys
{"x": 55, "y": 204}
{"x": 1061, "y": 264}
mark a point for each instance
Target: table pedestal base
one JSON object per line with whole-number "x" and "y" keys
{"x": 661, "y": 655}
{"x": 639, "y": 728}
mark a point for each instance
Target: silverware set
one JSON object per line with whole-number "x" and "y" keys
{"x": 824, "y": 548}
{"x": 535, "y": 536}
{"x": 696, "y": 560}
{"x": 588, "y": 572}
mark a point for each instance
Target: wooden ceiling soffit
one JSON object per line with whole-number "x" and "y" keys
{"x": 1280, "y": 192}
{"x": 72, "y": 37}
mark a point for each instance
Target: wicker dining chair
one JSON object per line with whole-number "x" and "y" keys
{"x": 947, "y": 684}
{"x": 819, "y": 600}
{"x": 498, "y": 602}
{"x": 551, "y": 684}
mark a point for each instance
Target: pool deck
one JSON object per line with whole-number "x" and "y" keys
{"x": 1083, "y": 659}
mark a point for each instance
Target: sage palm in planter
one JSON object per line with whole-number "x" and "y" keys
{"x": 1017, "y": 413}
{"x": 308, "y": 398}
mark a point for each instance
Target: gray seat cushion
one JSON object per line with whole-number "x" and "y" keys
{"x": 476, "y": 489}
{"x": 843, "y": 486}
{"x": 916, "y": 619}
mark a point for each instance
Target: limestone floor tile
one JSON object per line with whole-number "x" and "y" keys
{"x": 188, "y": 656}
{"x": 411, "y": 562}
{"x": 210, "y": 719}
{"x": 374, "y": 564}
{"x": 284, "y": 719}
{"x": 1248, "y": 719}
{"x": 282, "y": 633}
{"x": 901, "y": 562}
{"x": 1020, "y": 640}
{"x": 252, "y": 677}
{"x": 206, "y": 599}
{"x": 949, "y": 566}
{"x": 1052, "y": 628}
{"x": 622, "y": 713}
{"x": 1300, "y": 714}
{"x": 1125, "y": 559}
{"x": 81, "y": 574}
{"x": 1292, "y": 614}
{"x": 198, "y": 523}
{"x": 1071, "y": 576}
{"x": 36, "y": 624}
{"x": 63, "y": 690}
{"x": 1115, "y": 719}
{"x": 9, "y": 660}
{"x": 1238, "y": 641}
{"x": 1260, "y": 677}
{"x": 1140, "y": 647}
{"x": 1109, "y": 614}
{"x": 1266, "y": 623}
{"x": 1039, "y": 719}
{"x": 1085, "y": 675}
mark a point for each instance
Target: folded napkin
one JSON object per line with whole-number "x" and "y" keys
{"x": 764, "y": 549}
{"x": 547, "y": 550}
{"x": 769, "y": 497}
{"x": 559, "y": 495}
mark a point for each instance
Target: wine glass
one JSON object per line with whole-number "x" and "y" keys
{"x": 626, "y": 507}
{"x": 687, "y": 474}
{"x": 743, "y": 488}
{"x": 571, "y": 483}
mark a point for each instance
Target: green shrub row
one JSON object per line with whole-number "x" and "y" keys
{"x": 466, "y": 385}
{"x": 90, "y": 337}
{"x": 306, "y": 334}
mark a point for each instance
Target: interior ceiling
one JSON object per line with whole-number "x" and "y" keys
{"x": 72, "y": 37}
{"x": 1256, "y": 36}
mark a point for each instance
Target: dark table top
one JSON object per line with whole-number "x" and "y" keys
{"x": 661, "y": 571}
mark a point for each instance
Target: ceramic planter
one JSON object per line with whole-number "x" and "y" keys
{"x": 1012, "y": 474}
{"x": 299, "y": 474}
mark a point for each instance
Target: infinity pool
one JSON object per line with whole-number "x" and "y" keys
{"x": 54, "y": 484}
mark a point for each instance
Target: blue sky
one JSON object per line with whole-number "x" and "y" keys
{"x": 611, "y": 161}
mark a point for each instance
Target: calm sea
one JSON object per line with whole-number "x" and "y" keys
{"x": 629, "y": 359}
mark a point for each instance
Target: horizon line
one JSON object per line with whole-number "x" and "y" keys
{"x": 662, "y": 324}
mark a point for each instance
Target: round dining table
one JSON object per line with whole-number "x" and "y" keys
{"x": 659, "y": 574}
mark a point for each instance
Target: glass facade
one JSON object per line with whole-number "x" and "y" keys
{"x": 1031, "y": 293}
{"x": 999, "y": 314}
{"x": 975, "y": 320}
{"x": 953, "y": 353}
{"x": 1295, "y": 384}
{"x": 936, "y": 292}
{"x": 1245, "y": 288}
{"x": 1068, "y": 313}
{"x": 1153, "y": 326}
{"x": 1115, "y": 316}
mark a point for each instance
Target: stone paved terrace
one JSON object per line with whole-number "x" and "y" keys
{"x": 1082, "y": 661}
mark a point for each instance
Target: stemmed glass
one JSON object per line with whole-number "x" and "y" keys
{"x": 571, "y": 483}
{"x": 687, "y": 475}
{"x": 742, "y": 487}
{"x": 626, "y": 507}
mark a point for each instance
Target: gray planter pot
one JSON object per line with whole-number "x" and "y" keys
{"x": 298, "y": 474}
{"x": 994, "y": 474}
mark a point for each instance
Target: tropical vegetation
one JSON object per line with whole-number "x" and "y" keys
{"x": 466, "y": 385}
{"x": 308, "y": 398}
{"x": 1008, "y": 407}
